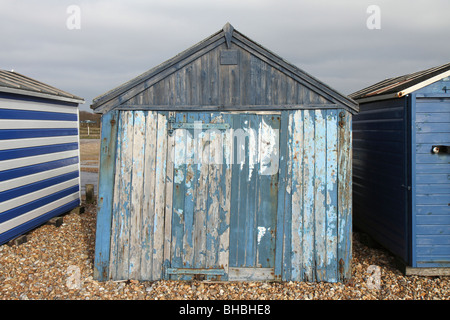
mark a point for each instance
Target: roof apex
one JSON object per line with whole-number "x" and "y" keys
{"x": 227, "y": 34}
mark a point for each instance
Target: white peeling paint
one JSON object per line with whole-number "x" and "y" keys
{"x": 261, "y": 233}
{"x": 252, "y": 151}
{"x": 179, "y": 177}
{"x": 268, "y": 149}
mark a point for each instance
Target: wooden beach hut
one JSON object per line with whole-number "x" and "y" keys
{"x": 224, "y": 162}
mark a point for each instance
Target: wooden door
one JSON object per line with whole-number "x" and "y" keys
{"x": 254, "y": 196}
{"x": 225, "y": 187}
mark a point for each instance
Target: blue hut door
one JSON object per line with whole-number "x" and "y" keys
{"x": 254, "y": 196}
{"x": 225, "y": 181}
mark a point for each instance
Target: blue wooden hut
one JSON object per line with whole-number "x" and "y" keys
{"x": 401, "y": 168}
{"x": 39, "y": 153}
{"x": 225, "y": 162}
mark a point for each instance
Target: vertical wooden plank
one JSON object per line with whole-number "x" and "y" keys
{"x": 205, "y": 86}
{"x": 332, "y": 201}
{"x": 225, "y": 200}
{"x": 345, "y": 195}
{"x": 269, "y": 77}
{"x": 235, "y": 194}
{"x": 189, "y": 83}
{"x": 108, "y": 147}
{"x": 245, "y": 73}
{"x": 296, "y": 161}
{"x": 200, "y": 211}
{"x": 268, "y": 187}
{"x": 148, "y": 200}
{"x": 255, "y": 72}
{"x": 195, "y": 82}
{"x": 282, "y": 213}
{"x": 213, "y": 98}
{"x": 215, "y": 166}
{"x": 160, "y": 180}
{"x": 116, "y": 200}
{"x": 123, "y": 205}
{"x": 178, "y": 220}
{"x": 180, "y": 92}
{"x": 276, "y": 86}
{"x": 137, "y": 184}
{"x": 302, "y": 94}
{"x": 235, "y": 87}
{"x": 308, "y": 198}
{"x": 283, "y": 91}
{"x": 242, "y": 148}
{"x": 169, "y": 197}
{"x": 320, "y": 195}
{"x": 172, "y": 89}
{"x": 288, "y": 202}
{"x": 253, "y": 187}
{"x": 189, "y": 190}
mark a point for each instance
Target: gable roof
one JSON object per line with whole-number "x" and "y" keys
{"x": 13, "y": 82}
{"x": 228, "y": 35}
{"x": 397, "y": 87}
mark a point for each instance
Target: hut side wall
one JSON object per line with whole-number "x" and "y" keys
{"x": 150, "y": 205}
{"x": 380, "y": 173}
{"x": 431, "y": 184}
{"x": 39, "y": 162}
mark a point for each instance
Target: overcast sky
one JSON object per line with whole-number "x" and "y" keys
{"x": 118, "y": 40}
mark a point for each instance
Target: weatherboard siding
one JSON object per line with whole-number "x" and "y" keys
{"x": 432, "y": 185}
{"x": 39, "y": 162}
{"x": 380, "y": 173}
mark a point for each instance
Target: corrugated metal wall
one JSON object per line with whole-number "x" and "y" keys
{"x": 292, "y": 223}
{"x": 39, "y": 162}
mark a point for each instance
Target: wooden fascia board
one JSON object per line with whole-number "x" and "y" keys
{"x": 405, "y": 91}
{"x": 424, "y": 83}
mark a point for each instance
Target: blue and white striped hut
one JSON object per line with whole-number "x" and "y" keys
{"x": 39, "y": 154}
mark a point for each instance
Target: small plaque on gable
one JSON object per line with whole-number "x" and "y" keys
{"x": 229, "y": 57}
